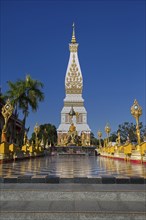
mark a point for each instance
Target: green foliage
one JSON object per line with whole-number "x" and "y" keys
{"x": 113, "y": 137}
{"x": 25, "y": 95}
{"x": 48, "y": 133}
{"x": 93, "y": 140}
{"x": 128, "y": 130}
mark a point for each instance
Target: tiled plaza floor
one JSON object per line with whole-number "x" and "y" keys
{"x": 73, "y": 166}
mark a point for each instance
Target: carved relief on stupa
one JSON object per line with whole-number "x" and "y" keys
{"x": 73, "y": 81}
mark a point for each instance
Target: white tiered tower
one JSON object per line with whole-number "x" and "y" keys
{"x": 73, "y": 99}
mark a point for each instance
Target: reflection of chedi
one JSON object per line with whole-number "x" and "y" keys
{"x": 73, "y": 99}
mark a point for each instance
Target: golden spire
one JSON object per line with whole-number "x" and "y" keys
{"x": 73, "y": 40}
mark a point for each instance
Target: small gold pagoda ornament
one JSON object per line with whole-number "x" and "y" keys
{"x": 136, "y": 112}
{"x": 7, "y": 111}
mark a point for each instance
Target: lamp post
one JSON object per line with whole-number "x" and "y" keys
{"x": 136, "y": 112}
{"x": 99, "y": 134}
{"x": 107, "y": 130}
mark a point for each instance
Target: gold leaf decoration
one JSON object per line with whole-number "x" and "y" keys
{"x": 74, "y": 79}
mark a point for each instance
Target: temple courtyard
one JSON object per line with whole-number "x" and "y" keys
{"x": 65, "y": 172}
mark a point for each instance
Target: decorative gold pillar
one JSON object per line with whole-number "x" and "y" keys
{"x": 7, "y": 111}
{"x": 99, "y": 134}
{"x": 36, "y": 131}
{"x": 118, "y": 140}
{"x": 107, "y": 130}
{"x": 136, "y": 112}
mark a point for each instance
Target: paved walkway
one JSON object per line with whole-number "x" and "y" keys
{"x": 73, "y": 201}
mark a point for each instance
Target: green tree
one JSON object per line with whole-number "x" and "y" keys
{"x": 113, "y": 137}
{"x": 48, "y": 133}
{"x": 25, "y": 95}
{"x": 128, "y": 130}
{"x": 93, "y": 140}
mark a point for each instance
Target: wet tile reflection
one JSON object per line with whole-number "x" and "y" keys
{"x": 72, "y": 166}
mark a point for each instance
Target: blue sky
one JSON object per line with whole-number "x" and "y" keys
{"x": 111, "y": 36}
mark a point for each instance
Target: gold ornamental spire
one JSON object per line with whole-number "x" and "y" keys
{"x": 73, "y": 40}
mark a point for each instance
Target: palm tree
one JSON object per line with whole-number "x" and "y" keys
{"x": 31, "y": 95}
{"x": 25, "y": 95}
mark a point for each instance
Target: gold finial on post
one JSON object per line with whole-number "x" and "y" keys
{"x": 99, "y": 134}
{"x": 136, "y": 111}
{"x": 73, "y": 40}
{"x": 118, "y": 139}
{"x": 7, "y": 111}
{"x": 107, "y": 130}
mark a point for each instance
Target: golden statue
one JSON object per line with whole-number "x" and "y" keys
{"x": 72, "y": 127}
{"x": 72, "y": 135}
